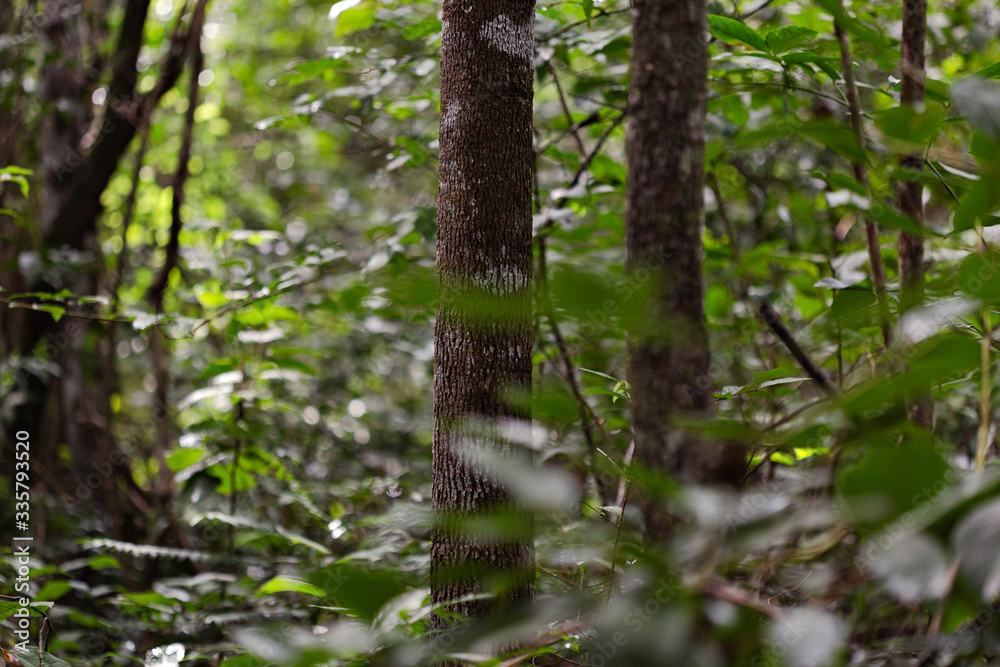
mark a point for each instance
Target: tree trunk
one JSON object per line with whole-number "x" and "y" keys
{"x": 911, "y": 247}
{"x": 72, "y": 407}
{"x": 13, "y": 237}
{"x": 47, "y": 408}
{"x": 483, "y": 332}
{"x": 668, "y": 367}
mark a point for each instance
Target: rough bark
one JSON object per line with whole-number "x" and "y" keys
{"x": 483, "y": 334}
{"x": 668, "y": 366}
{"x": 911, "y": 247}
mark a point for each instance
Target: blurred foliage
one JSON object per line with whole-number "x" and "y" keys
{"x": 300, "y": 326}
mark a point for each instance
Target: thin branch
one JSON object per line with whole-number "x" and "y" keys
{"x": 861, "y": 174}
{"x": 730, "y": 593}
{"x": 125, "y": 112}
{"x": 565, "y": 107}
{"x": 569, "y": 371}
{"x": 541, "y": 39}
{"x": 159, "y": 286}
{"x": 785, "y": 86}
{"x": 618, "y": 534}
{"x": 573, "y": 129}
{"x": 583, "y": 168}
{"x": 773, "y": 321}
{"x": 145, "y": 122}
{"x": 761, "y": 7}
{"x": 261, "y": 296}
{"x": 766, "y": 313}
{"x": 13, "y": 302}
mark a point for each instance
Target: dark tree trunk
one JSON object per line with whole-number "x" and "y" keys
{"x": 13, "y": 237}
{"x": 483, "y": 334}
{"x": 911, "y": 247}
{"x": 71, "y": 407}
{"x": 668, "y": 366}
{"x": 48, "y": 399}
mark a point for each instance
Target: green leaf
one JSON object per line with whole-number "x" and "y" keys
{"x": 428, "y": 26}
{"x": 826, "y": 633}
{"x": 873, "y": 489}
{"x": 991, "y": 72}
{"x": 790, "y": 36}
{"x": 103, "y": 562}
{"x": 837, "y": 137}
{"x": 53, "y": 590}
{"x": 243, "y": 661}
{"x": 55, "y": 311}
{"x": 937, "y": 91}
{"x": 359, "y": 17}
{"x": 185, "y": 457}
{"x": 979, "y": 277}
{"x": 977, "y": 204}
{"x": 828, "y": 65}
{"x": 735, "y": 110}
{"x": 17, "y": 175}
{"x": 7, "y": 608}
{"x": 773, "y": 374}
{"x": 841, "y": 180}
{"x": 31, "y": 658}
{"x": 588, "y": 8}
{"x": 908, "y": 130}
{"x": 853, "y": 308}
{"x": 731, "y": 31}
{"x": 282, "y": 584}
{"x": 362, "y": 590}
{"x": 890, "y": 217}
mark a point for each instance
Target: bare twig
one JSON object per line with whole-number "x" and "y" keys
{"x": 145, "y": 120}
{"x": 541, "y": 39}
{"x": 861, "y": 174}
{"x": 594, "y": 152}
{"x": 773, "y": 321}
{"x": 565, "y": 107}
{"x": 725, "y": 591}
{"x": 159, "y": 286}
{"x": 618, "y": 535}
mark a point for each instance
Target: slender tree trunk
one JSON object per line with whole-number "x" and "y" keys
{"x": 861, "y": 175}
{"x": 483, "y": 334}
{"x": 911, "y": 247}
{"x": 668, "y": 367}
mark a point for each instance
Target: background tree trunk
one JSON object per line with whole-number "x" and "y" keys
{"x": 483, "y": 334}
{"x": 911, "y": 247}
{"x": 67, "y": 402}
{"x": 668, "y": 367}
{"x": 12, "y": 236}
